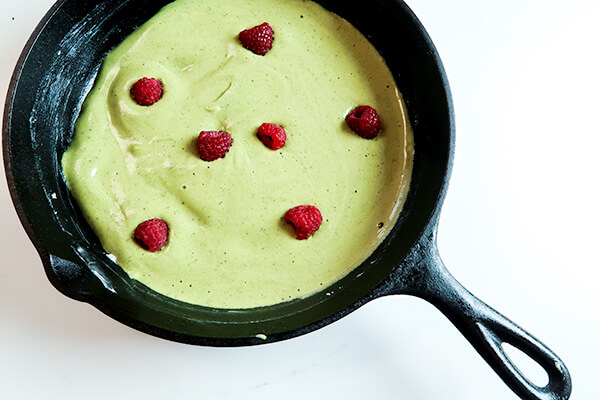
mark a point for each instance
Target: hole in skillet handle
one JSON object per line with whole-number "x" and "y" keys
{"x": 424, "y": 275}
{"x": 498, "y": 331}
{"x": 537, "y": 375}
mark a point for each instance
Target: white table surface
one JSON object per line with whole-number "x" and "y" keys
{"x": 519, "y": 229}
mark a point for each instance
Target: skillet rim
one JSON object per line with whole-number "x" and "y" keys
{"x": 383, "y": 288}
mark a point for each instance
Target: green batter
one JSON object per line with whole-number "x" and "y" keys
{"x": 228, "y": 246}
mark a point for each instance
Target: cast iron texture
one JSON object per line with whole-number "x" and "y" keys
{"x": 54, "y": 74}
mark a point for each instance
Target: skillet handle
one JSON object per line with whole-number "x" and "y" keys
{"x": 485, "y": 328}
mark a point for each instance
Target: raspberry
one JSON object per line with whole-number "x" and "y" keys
{"x": 147, "y": 91}
{"x": 364, "y": 121}
{"x": 305, "y": 219}
{"x": 258, "y": 39}
{"x": 213, "y": 145}
{"x": 272, "y": 135}
{"x": 152, "y": 234}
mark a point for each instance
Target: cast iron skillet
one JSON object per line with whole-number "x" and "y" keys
{"x": 52, "y": 77}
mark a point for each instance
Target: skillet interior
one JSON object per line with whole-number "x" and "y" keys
{"x": 53, "y": 76}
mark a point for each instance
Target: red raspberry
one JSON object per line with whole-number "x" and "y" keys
{"x": 147, "y": 91}
{"x": 213, "y": 145}
{"x": 152, "y": 234}
{"x": 272, "y": 135}
{"x": 258, "y": 39}
{"x": 305, "y": 219}
{"x": 364, "y": 121}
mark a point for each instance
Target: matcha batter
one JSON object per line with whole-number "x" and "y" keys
{"x": 228, "y": 246}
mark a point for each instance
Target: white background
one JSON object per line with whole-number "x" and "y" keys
{"x": 519, "y": 229}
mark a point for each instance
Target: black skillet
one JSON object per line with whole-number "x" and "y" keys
{"x": 51, "y": 79}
